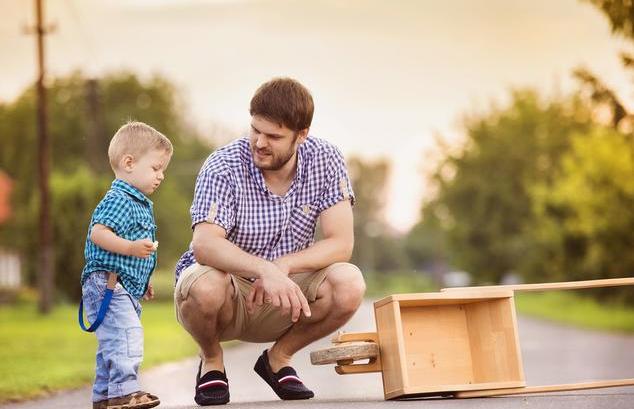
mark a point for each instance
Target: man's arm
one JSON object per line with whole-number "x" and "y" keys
{"x": 336, "y": 246}
{"x": 211, "y": 248}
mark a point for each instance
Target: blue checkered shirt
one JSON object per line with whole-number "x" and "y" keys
{"x": 129, "y": 213}
{"x": 231, "y": 192}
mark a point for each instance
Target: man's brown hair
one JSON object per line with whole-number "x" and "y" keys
{"x": 284, "y": 101}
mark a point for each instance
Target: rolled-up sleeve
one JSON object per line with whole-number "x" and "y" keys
{"x": 214, "y": 201}
{"x": 113, "y": 212}
{"x": 338, "y": 185}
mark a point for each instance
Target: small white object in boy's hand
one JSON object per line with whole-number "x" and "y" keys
{"x": 155, "y": 245}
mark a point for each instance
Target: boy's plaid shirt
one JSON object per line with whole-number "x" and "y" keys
{"x": 128, "y": 212}
{"x": 231, "y": 192}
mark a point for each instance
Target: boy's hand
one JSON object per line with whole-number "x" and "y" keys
{"x": 149, "y": 294}
{"x": 142, "y": 248}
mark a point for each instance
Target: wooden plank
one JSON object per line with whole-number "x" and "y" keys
{"x": 548, "y": 388}
{"x": 494, "y": 341}
{"x": 518, "y": 349}
{"x": 437, "y": 350}
{"x": 388, "y": 325}
{"x": 396, "y": 311}
{"x": 566, "y": 285}
{"x": 374, "y": 365}
{"x": 443, "y": 298}
{"x": 345, "y": 351}
{"x": 447, "y": 389}
{"x": 354, "y": 336}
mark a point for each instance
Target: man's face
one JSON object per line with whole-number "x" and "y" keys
{"x": 273, "y": 145}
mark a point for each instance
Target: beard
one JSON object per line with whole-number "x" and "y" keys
{"x": 277, "y": 160}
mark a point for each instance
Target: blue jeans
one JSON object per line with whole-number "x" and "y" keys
{"x": 119, "y": 337}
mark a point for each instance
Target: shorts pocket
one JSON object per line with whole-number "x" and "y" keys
{"x": 134, "y": 338}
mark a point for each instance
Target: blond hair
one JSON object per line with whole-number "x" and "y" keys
{"x": 136, "y": 139}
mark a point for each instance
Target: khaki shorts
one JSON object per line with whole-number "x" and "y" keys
{"x": 265, "y": 324}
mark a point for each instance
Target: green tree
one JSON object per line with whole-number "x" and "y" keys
{"x": 84, "y": 114}
{"x": 483, "y": 190}
{"x": 585, "y": 218}
{"x": 74, "y": 193}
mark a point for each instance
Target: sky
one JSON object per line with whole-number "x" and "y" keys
{"x": 388, "y": 77}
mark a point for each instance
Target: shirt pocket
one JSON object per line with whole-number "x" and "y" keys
{"x": 143, "y": 228}
{"x": 303, "y": 222}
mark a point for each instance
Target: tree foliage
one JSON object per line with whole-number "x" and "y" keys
{"x": 484, "y": 201}
{"x": 620, "y": 13}
{"x": 83, "y": 115}
{"x": 585, "y": 218}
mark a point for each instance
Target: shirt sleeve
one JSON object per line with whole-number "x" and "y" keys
{"x": 114, "y": 212}
{"x": 338, "y": 185}
{"x": 214, "y": 201}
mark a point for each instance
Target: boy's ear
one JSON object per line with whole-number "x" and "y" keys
{"x": 127, "y": 162}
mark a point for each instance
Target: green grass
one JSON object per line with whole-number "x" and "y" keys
{"x": 39, "y": 354}
{"x": 573, "y": 309}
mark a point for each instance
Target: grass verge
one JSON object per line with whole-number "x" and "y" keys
{"x": 574, "y": 309}
{"x": 40, "y": 354}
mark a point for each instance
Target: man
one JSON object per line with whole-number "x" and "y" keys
{"x": 253, "y": 271}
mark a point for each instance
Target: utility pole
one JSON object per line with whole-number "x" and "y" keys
{"x": 46, "y": 272}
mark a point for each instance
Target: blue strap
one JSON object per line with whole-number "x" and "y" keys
{"x": 100, "y": 316}
{"x": 105, "y": 303}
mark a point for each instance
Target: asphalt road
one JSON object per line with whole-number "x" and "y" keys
{"x": 552, "y": 354}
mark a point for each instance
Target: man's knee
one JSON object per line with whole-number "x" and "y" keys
{"x": 207, "y": 294}
{"x": 348, "y": 286}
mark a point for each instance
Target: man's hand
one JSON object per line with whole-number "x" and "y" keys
{"x": 149, "y": 294}
{"x": 142, "y": 248}
{"x": 276, "y": 288}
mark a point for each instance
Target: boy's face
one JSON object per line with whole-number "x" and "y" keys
{"x": 146, "y": 172}
{"x": 273, "y": 145}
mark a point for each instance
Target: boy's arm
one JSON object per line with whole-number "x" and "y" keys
{"x": 105, "y": 238}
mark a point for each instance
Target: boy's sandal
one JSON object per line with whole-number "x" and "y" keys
{"x": 212, "y": 388}
{"x": 136, "y": 400}
{"x": 285, "y": 382}
{"x": 102, "y": 404}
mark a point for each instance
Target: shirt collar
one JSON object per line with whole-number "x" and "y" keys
{"x": 119, "y": 184}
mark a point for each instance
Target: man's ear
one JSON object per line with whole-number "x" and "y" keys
{"x": 302, "y": 135}
{"x": 127, "y": 162}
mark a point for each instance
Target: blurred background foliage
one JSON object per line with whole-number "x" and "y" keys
{"x": 84, "y": 114}
{"x": 541, "y": 189}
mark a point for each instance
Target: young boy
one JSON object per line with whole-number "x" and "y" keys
{"x": 121, "y": 241}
